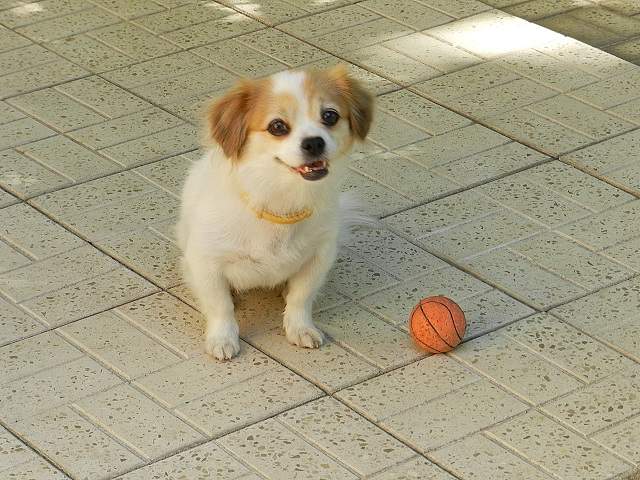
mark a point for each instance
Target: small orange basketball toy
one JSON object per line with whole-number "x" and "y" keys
{"x": 437, "y": 324}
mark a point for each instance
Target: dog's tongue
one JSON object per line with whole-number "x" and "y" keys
{"x": 313, "y": 171}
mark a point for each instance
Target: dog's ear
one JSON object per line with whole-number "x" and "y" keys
{"x": 228, "y": 119}
{"x": 358, "y": 99}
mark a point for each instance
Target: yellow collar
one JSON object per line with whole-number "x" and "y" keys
{"x": 272, "y": 217}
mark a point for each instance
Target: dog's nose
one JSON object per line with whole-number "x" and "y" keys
{"x": 313, "y": 146}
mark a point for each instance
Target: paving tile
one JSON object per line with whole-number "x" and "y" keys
{"x": 611, "y": 92}
{"x": 606, "y": 228}
{"x": 563, "y": 345}
{"x": 203, "y": 375}
{"x": 356, "y": 276}
{"x": 432, "y": 52}
{"x": 125, "y": 128}
{"x": 56, "y": 109}
{"x": 22, "y": 131}
{"x": 282, "y": 47}
{"x": 138, "y": 422}
{"x": 580, "y": 29}
{"x": 407, "y": 387}
{"x": 239, "y": 58}
{"x": 232, "y": 25}
{"x": 182, "y": 16}
{"x": 21, "y": 15}
{"x": 418, "y": 467}
{"x": 538, "y": 9}
{"x": 282, "y": 453}
{"x": 67, "y": 25}
{"x": 478, "y": 457}
{"x": 622, "y": 438}
{"x": 133, "y": 41}
{"x": 118, "y": 344}
{"x": 11, "y": 40}
{"x": 626, "y": 253}
{"x": 90, "y": 53}
{"x": 516, "y": 368}
{"x": 391, "y": 64}
{"x": 479, "y": 236}
{"x": 490, "y": 164}
{"x": 50, "y": 388}
{"x": 9, "y": 114}
{"x": 580, "y": 55}
{"x": 404, "y": 176}
{"x": 556, "y": 449}
{"x": 601, "y": 404}
{"x": 345, "y": 435}
{"x": 34, "y": 354}
{"x": 238, "y": 406}
{"x": 330, "y": 367}
{"x": 537, "y": 131}
{"x": 271, "y": 12}
{"x": 25, "y": 58}
{"x": 611, "y": 20}
{"x": 7, "y": 199}
{"x": 581, "y": 117}
{"x": 67, "y": 158}
{"x": 16, "y": 323}
{"x": 370, "y": 337}
{"x": 460, "y": 9}
{"x": 153, "y": 147}
{"x": 450, "y": 146}
{"x": 89, "y": 296}
{"x": 477, "y": 34}
{"x": 78, "y": 446}
{"x": 333, "y": 20}
{"x": 392, "y": 253}
{"x": 420, "y": 112}
{"x": 484, "y": 404}
{"x": 12, "y": 451}
{"x": 169, "y": 173}
{"x": 129, "y": 8}
{"x": 361, "y": 36}
{"x": 169, "y": 321}
{"x": 628, "y": 50}
{"x": 11, "y": 258}
{"x": 25, "y": 178}
{"x": 547, "y": 70}
{"x": 200, "y": 463}
{"x": 36, "y": 469}
{"x": 502, "y": 98}
{"x": 413, "y": 14}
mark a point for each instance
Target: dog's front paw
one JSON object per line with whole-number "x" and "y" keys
{"x": 306, "y": 336}
{"x": 222, "y": 346}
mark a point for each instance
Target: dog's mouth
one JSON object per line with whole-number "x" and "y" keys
{"x": 312, "y": 171}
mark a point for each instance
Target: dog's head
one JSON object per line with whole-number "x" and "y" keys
{"x": 299, "y": 121}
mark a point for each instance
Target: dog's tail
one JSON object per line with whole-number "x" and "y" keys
{"x": 353, "y": 215}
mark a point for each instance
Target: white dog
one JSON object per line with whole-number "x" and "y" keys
{"x": 262, "y": 207}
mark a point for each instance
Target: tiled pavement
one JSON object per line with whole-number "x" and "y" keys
{"x": 504, "y": 162}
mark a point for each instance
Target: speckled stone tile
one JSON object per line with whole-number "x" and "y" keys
{"x": 601, "y": 404}
{"x": 407, "y": 387}
{"x": 330, "y": 367}
{"x": 239, "y": 58}
{"x": 22, "y": 131}
{"x": 356, "y": 276}
{"x": 326, "y": 22}
{"x": 563, "y": 345}
{"x": 133, "y": 41}
{"x": 484, "y": 403}
{"x": 432, "y": 52}
{"x": 19, "y": 15}
{"x": 403, "y": 176}
{"x": 516, "y": 368}
{"x": 238, "y": 406}
{"x": 6, "y": 199}
{"x": 418, "y": 467}
{"x": 623, "y": 438}
{"x": 369, "y": 336}
{"x": 580, "y": 29}
{"x": 340, "y": 431}
{"x": 15, "y": 323}
{"x": 36, "y": 469}
{"x": 270, "y": 12}
{"x": 67, "y": 25}
{"x": 413, "y": 14}
{"x": 129, "y": 8}
{"x": 12, "y": 451}
{"x": 138, "y": 422}
{"x": 477, "y": 457}
{"x": 25, "y": 178}
{"x": 558, "y": 450}
{"x": 360, "y": 36}
{"x": 200, "y": 463}
{"x": 273, "y": 450}
{"x": 34, "y": 354}
{"x": 118, "y": 344}
{"x": 283, "y": 47}
{"x": 200, "y": 376}
{"x": 89, "y": 53}
{"x": 477, "y": 34}
{"x": 77, "y": 445}
{"x": 53, "y": 387}
{"x": 11, "y": 40}
{"x": 374, "y": 83}
{"x": 611, "y": 92}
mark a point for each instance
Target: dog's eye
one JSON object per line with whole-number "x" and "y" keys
{"x": 278, "y": 128}
{"x": 330, "y": 117}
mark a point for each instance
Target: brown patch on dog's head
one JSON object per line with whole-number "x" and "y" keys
{"x": 356, "y": 99}
{"x": 229, "y": 118}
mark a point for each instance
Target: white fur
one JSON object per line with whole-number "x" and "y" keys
{"x": 226, "y": 247}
